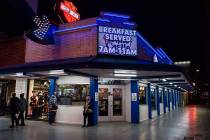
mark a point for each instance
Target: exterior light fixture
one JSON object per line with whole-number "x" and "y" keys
{"x": 125, "y": 71}
{"x": 43, "y": 26}
{"x": 56, "y": 72}
{"x": 197, "y": 70}
{"x": 164, "y": 80}
{"x": 19, "y": 74}
{"x": 124, "y": 75}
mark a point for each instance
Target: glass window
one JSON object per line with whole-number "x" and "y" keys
{"x": 72, "y": 94}
{"x": 38, "y": 99}
{"x": 142, "y": 95}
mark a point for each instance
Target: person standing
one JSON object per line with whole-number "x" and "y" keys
{"x": 23, "y": 105}
{"x": 87, "y": 112}
{"x": 52, "y": 109}
{"x": 14, "y": 109}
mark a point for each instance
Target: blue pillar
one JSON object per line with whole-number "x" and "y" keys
{"x": 169, "y": 99}
{"x": 164, "y": 100}
{"x": 158, "y": 100}
{"x": 175, "y": 94}
{"x": 149, "y": 101}
{"x": 94, "y": 101}
{"x": 52, "y": 86}
{"x": 172, "y": 98}
{"x": 134, "y": 101}
{"x": 178, "y": 99}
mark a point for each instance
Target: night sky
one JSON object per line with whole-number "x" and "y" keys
{"x": 178, "y": 26}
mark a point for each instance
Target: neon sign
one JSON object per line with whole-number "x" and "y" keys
{"x": 69, "y": 11}
{"x": 117, "y": 41}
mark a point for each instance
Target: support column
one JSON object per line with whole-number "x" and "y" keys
{"x": 172, "y": 99}
{"x": 149, "y": 101}
{"x": 169, "y": 99}
{"x": 178, "y": 99}
{"x": 175, "y": 95}
{"x": 94, "y": 99}
{"x": 158, "y": 100}
{"x": 52, "y": 86}
{"x": 134, "y": 101}
{"x": 164, "y": 100}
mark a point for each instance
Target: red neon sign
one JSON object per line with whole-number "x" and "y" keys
{"x": 69, "y": 11}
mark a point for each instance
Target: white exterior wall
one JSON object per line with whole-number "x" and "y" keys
{"x": 166, "y": 109}
{"x": 73, "y": 80}
{"x": 154, "y": 113}
{"x": 67, "y": 113}
{"x": 21, "y": 87}
{"x": 128, "y": 102}
{"x": 161, "y": 108}
{"x": 143, "y": 111}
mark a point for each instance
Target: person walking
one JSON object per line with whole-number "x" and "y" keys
{"x": 23, "y": 105}
{"x": 14, "y": 109}
{"x": 52, "y": 109}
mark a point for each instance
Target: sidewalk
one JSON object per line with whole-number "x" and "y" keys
{"x": 189, "y": 122}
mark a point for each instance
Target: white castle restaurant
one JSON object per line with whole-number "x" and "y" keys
{"x": 104, "y": 57}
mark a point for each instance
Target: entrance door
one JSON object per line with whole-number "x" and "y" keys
{"x": 111, "y": 103}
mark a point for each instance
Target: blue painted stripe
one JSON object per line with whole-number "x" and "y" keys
{"x": 75, "y": 28}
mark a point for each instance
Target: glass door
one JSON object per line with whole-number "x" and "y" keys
{"x": 103, "y": 103}
{"x": 111, "y": 103}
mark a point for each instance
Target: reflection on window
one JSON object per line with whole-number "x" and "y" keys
{"x": 103, "y": 101}
{"x": 142, "y": 95}
{"x": 153, "y": 101}
{"x": 72, "y": 94}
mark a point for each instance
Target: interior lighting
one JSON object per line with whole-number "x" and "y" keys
{"x": 171, "y": 83}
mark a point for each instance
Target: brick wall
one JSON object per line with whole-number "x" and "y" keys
{"x": 36, "y": 52}
{"x": 12, "y": 52}
{"x": 76, "y": 43}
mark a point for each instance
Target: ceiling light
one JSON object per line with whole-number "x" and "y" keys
{"x": 197, "y": 70}
{"x": 124, "y": 75}
{"x": 19, "y": 74}
{"x": 125, "y": 71}
{"x": 171, "y": 83}
{"x": 175, "y": 85}
{"x": 56, "y": 72}
{"x": 164, "y": 80}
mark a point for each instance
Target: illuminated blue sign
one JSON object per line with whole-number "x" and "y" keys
{"x": 117, "y": 41}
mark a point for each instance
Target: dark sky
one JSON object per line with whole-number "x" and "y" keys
{"x": 178, "y": 26}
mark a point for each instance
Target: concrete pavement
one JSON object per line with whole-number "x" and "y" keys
{"x": 189, "y": 123}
